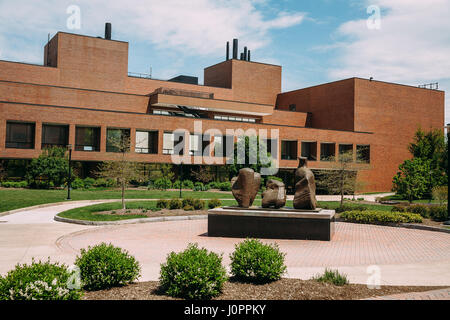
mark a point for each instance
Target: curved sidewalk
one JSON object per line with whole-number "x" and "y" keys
{"x": 404, "y": 256}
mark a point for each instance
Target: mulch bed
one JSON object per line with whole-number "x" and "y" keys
{"x": 284, "y": 289}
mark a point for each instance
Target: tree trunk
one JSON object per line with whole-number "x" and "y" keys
{"x": 123, "y": 196}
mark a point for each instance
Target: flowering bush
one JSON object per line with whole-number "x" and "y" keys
{"x": 39, "y": 281}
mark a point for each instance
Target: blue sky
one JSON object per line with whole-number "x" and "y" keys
{"x": 315, "y": 41}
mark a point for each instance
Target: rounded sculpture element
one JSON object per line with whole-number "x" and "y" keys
{"x": 305, "y": 187}
{"x": 245, "y": 187}
{"x": 274, "y": 195}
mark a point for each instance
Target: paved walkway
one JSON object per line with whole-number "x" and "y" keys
{"x": 443, "y": 294}
{"x": 402, "y": 256}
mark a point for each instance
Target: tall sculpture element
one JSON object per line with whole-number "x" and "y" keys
{"x": 274, "y": 195}
{"x": 245, "y": 187}
{"x": 305, "y": 187}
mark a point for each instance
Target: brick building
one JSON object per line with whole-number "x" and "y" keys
{"x": 83, "y": 94}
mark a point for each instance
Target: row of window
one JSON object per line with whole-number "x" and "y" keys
{"x": 21, "y": 135}
{"x": 327, "y": 151}
{"x": 238, "y": 119}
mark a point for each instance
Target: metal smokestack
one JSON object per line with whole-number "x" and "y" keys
{"x": 242, "y": 56}
{"x": 248, "y": 57}
{"x": 228, "y": 50}
{"x": 235, "y": 48}
{"x": 108, "y": 29}
{"x": 245, "y": 53}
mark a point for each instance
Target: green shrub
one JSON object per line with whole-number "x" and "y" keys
{"x": 440, "y": 194}
{"x": 225, "y": 186}
{"x": 162, "y": 204}
{"x": 77, "y": 183}
{"x": 439, "y": 213}
{"x": 332, "y": 276}
{"x": 188, "y": 184}
{"x": 198, "y": 186}
{"x": 193, "y": 274}
{"x": 274, "y": 178}
{"x": 374, "y": 216}
{"x": 105, "y": 266}
{"x": 88, "y": 183}
{"x": 176, "y": 184}
{"x": 214, "y": 203}
{"x": 399, "y": 208}
{"x": 188, "y": 202}
{"x": 421, "y": 209}
{"x": 188, "y": 208}
{"x": 199, "y": 204}
{"x": 162, "y": 184}
{"x": 214, "y": 185}
{"x": 175, "y": 204}
{"x": 253, "y": 261}
{"x": 39, "y": 281}
{"x": 14, "y": 184}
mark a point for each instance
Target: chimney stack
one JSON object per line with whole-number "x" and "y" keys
{"x": 228, "y": 50}
{"x": 245, "y": 53}
{"x": 235, "y": 48}
{"x": 108, "y": 31}
{"x": 248, "y": 57}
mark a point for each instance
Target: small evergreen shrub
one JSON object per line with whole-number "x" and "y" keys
{"x": 88, "y": 183}
{"x": 439, "y": 213}
{"x": 176, "y": 184}
{"x": 162, "y": 204}
{"x": 214, "y": 203}
{"x": 199, "y": 186}
{"x": 188, "y": 202}
{"x": 188, "y": 208}
{"x": 199, "y": 204}
{"x": 421, "y": 209}
{"x": 105, "y": 266}
{"x": 214, "y": 185}
{"x": 225, "y": 186}
{"x": 14, "y": 184}
{"x": 253, "y": 261}
{"x": 332, "y": 276}
{"x": 188, "y": 184}
{"x": 374, "y": 216}
{"x": 162, "y": 184}
{"x": 39, "y": 281}
{"x": 77, "y": 183}
{"x": 175, "y": 204}
{"x": 193, "y": 274}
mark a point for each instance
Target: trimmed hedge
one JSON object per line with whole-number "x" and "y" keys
{"x": 437, "y": 213}
{"x": 214, "y": 203}
{"x": 14, "y": 184}
{"x": 374, "y": 216}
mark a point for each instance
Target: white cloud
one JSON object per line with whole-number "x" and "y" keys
{"x": 195, "y": 27}
{"x": 412, "y": 46}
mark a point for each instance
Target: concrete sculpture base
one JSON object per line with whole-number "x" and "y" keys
{"x": 267, "y": 223}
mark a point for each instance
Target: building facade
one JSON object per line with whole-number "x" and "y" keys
{"x": 83, "y": 95}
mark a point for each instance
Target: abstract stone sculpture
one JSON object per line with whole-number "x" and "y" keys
{"x": 245, "y": 187}
{"x": 274, "y": 195}
{"x": 305, "y": 187}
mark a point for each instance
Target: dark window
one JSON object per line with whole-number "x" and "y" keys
{"x": 55, "y": 136}
{"x": 170, "y": 140}
{"x": 345, "y": 149}
{"x": 292, "y": 107}
{"x": 146, "y": 142}
{"x": 309, "y": 150}
{"x": 117, "y": 140}
{"x": 87, "y": 139}
{"x": 20, "y": 135}
{"x": 363, "y": 153}
{"x": 272, "y": 150}
{"x": 327, "y": 151}
{"x": 288, "y": 150}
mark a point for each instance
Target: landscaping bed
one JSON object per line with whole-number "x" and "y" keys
{"x": 284, "y": 289}
{"x": 151, "y": 214}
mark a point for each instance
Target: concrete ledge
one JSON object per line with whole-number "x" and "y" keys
{"x": 271, "y": 224}
{"x": 128, "y": 221}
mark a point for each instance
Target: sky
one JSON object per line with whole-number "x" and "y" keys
{"x": 315, "y": 41}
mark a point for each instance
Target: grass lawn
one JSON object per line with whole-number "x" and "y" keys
{"x": 11, "y": 199}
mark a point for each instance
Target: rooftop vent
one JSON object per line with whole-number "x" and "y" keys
{"x": 243, "y": 56}
{"x": 108, "y": 29}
